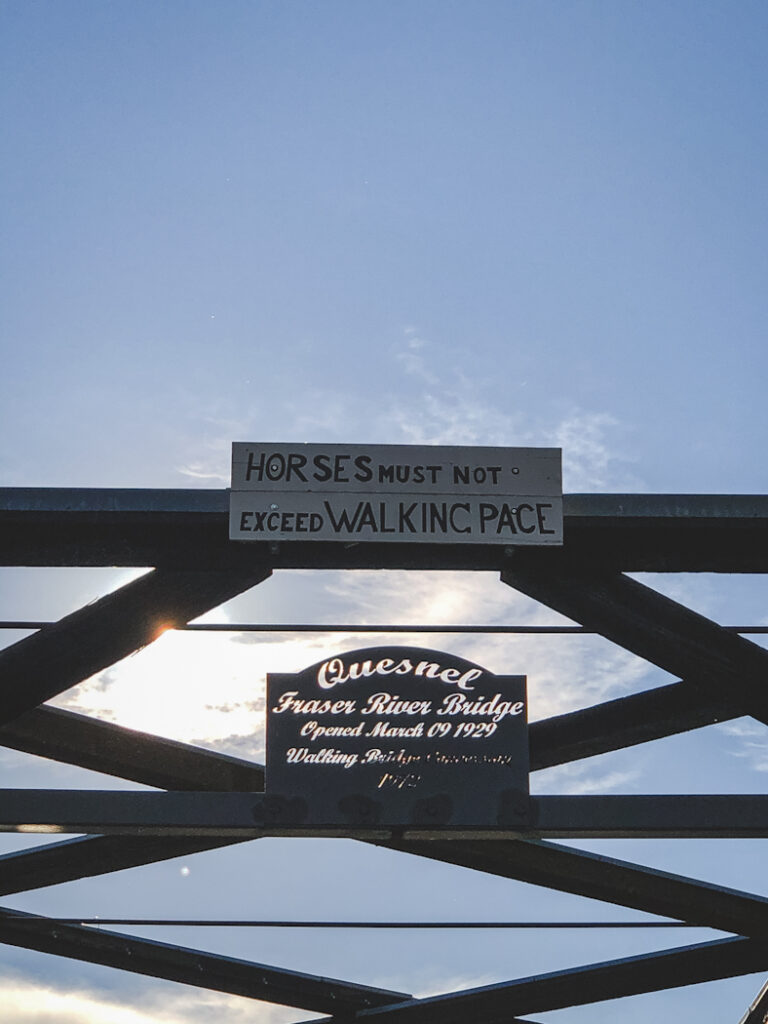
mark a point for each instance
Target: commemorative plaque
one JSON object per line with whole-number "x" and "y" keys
{"x": 397, "y": 736}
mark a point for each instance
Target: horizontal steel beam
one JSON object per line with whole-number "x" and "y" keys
{"x": 234, "y": 815}
{"x": 95, "y": 637}
{"x": 215, "y": 501}
{"x": 189, "y": 966}
{"x": 614, "y": 979}
{"x": 109, "y": 748}
{"x": 632, "y": 532}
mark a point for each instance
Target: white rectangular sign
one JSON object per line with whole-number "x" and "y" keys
{"x": 400, "y": 493}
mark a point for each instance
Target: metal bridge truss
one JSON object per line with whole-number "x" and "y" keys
{"x": 183, "y": 534}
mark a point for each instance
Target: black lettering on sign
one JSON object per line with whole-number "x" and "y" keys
{"x": 339, "y": 469}
{"x": 254, "y": 468}
{"x": 281, "y": 522}
{"x": 506, "y": 519}
{"x": 323, "y": 469}
{"x": 541, "y": 514}
{"x": 524, "y": 507}
{"x": 363, "y": 466}
{"x": 383, "y": 517}
{"x": 433, "y": 517}
{"x": 478, "y": 474}
{"x": 296, "y": 464}
{"x": 366, "y": 517}
{"x": 460, "y": 506}
{"x": 343, "y": 522}
{"x": 488, "y": 513}
{"x": 405, "y": 517}
{"x": 276, "y": 467}
{"x": 512, "y": 519}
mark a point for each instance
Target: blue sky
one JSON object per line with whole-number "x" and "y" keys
{"x": 482, "y": 223}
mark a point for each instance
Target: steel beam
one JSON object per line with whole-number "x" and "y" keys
{"x": 758, "y": 1009}
{"x": 624, "y": 722}
{"x": 700, "y": 816}
{"x": 631, "y": 532}
{"x": 103, "y": 747}
{"x": 126, "y": 753}
{"x": 624, "y": 884}
{"x": 210, "y": 815}
{"x": 83, "y": 741}
{"x": 613, "y": 979}
{"x": 190, "y": 966}
{"x": 723, "y": 665}
{"x": 92, "y": 638}
{"x": 536, "y": 862}
{"x": 73, "y": 859}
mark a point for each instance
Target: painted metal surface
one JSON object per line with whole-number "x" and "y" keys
{"x": 185, "y": 532}
{"x": 254, "y": 815}
{"x": 190, "y": 966}
{"x": 92, "y": 526}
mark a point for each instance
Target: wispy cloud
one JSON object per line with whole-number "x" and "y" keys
{"x": 590, "y": 461}
{"x": 31, "y": 1002}
{"x": 210, "y": 688}
{"x": 411, "y": 356}
{"x": 193, "y": 687}
{"x": 582, "y": 779}
{"x": 433, "y": 398}
{"x": 453, "y": 407}
{"x": 202, "y": 471}
{"x": 564, "y": 672}
{"x": 750, "y": 742}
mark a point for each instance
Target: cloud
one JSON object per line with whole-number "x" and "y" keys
{"x": 409, "y": 356}
{"x": 431, "y": 398}
{"x": 455, "y": 408}
{"x": 752, "y": 740}
{"x": 582, "y": 779}
{"x": 209, "y": 688}
{"x": 203, "y": 471}
{"x": 192, "y": 687}
{"x": 590, "y": 463}
{"x": 564, "y": 672}
{"x": 28, "y": 1002}
{"x": 440, "y": 985}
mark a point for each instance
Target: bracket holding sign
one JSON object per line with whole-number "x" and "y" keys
{"x": 397, "y": 736}
{"x": 396, "y": 493}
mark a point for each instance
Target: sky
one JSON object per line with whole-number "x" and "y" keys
{"x": 503, "y": 223}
